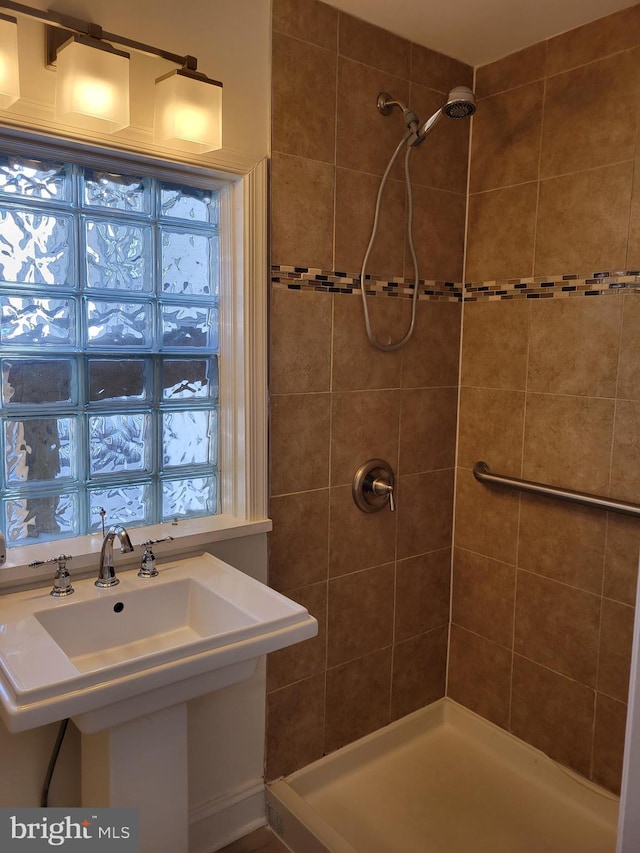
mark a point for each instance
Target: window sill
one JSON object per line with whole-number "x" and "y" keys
{"x": 188, "y": 535}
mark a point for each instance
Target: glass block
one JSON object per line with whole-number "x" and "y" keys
{"x": 186, "y": 326}
{"x": 117, "y": 256}
{"x": 189, "y": 438}
{"x": 119, "y": 443}
{"x": 183, "y": 202}
{"x": 40, "y": 519}
{"x": 20, "y": 176}
{"x": 40, "y": 449}
{"x": 70, "y": 417}
{"x": 189, "y": 497}
{"x": 34, "y": 321}
{"x": 121, "y": 379}
{"x": 36, "y": 247}
{"x": 124, "y": 504}
{"x": 118, "y": 324}
{"x": 190, "y": 264}
{"x": 190, "y": 379}
{"x": 33, "y": 381}
{"x": 116, "y": 192}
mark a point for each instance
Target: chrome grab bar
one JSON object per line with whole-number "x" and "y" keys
{"x": 483, "y": 474}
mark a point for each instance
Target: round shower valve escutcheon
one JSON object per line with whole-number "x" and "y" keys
{"x": 374, "y": 486}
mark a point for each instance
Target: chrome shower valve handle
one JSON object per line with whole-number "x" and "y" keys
{"x": 382, "y": 487}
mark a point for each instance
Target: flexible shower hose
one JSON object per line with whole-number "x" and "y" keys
{"x": 374, "y": 230}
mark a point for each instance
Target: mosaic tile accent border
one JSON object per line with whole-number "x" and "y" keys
{"x": 538, "y": 287}
{"x": 305, "y": 278}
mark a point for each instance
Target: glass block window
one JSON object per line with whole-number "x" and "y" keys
{"x": 109, "y": 289}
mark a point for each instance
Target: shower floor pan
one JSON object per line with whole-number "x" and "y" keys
{"x": 442, "y": 780}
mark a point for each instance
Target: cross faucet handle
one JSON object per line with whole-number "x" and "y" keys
{"x": 148, "y": 563}
{"x": 62, "y": 581}
{"x": 155, "y": 541}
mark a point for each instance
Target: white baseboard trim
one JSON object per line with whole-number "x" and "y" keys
{"x": 217, "y": 822}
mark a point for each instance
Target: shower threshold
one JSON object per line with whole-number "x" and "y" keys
{"x": 441, "y": 780}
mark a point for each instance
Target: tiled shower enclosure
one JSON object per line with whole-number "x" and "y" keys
{"x": 542, "y": 302}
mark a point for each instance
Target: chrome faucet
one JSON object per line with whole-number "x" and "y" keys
{"x": 107, "y": 574}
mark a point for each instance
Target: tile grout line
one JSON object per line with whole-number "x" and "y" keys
{"x": 395, "y": 548}
{"x": 519, "y": 517}
{"x": 606, "y": 534}
{"x": 329, "y": 514}
{"x": 458, "y": 402}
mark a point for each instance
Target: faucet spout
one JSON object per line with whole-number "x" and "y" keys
{"x": 107, "y": 573}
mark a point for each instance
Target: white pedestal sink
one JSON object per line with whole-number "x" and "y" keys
{"x": 122, "y": 662}
{"x": 142, "y": 764}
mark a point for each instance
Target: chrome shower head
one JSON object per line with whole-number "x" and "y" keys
{"x": 461, "y": 103}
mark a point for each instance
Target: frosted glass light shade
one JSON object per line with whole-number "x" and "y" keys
{"x": 188, "y": 112}
{"x": 92, "y": 86}
{"x": 9, "y": 78}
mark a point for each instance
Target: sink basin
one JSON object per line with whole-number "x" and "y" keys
{"x": 104, "y": 656}
{"x": 160, "y": 621}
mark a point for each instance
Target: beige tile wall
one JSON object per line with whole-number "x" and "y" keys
{"x": 553, "y": 147}
{"x": 378, "y": 584}
{"x": 543, "y": 592}
{"x": 331, "y": 145}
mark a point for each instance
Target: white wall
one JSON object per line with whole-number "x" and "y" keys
{"x": 230, "y": 38}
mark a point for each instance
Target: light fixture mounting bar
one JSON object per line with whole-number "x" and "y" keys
{"x": 189, "y": 62}
{"x": 48, "y": 16}
{"x": 76, "y": 26}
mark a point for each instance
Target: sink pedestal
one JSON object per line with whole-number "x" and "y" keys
{"x": 142, "y": 764}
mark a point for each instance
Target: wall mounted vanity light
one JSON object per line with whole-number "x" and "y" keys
{"x": 9, "y": 79}
{"x": 92, "y": 82}
{"x": 92, "y": 87}
{"x": 188, "y": 111}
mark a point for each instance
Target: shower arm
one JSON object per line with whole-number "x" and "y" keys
{"x": 386, "y": 105}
